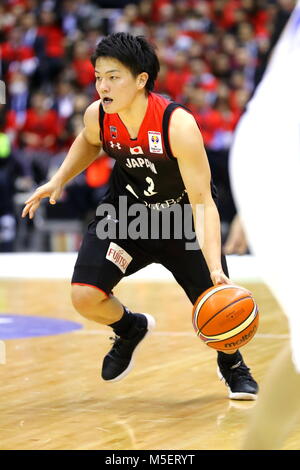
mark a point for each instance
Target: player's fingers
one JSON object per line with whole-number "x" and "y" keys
{"x": 225, "y": 280}
{"x": 37, "y": 195}
{"x": 25, "y": 210}
{"x": 217, "y": 279}
{"x": 32, "y": 198}
{"x": 33, "y": 208}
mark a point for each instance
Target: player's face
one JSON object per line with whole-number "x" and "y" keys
{"x": 115, "y": 84}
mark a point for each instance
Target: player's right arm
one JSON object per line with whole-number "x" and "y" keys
{"x": 85, "y": 148}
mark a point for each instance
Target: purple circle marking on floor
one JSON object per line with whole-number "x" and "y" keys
{"x": 25, "y": 326}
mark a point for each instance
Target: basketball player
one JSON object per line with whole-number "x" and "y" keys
{"x": 160, "y": 162}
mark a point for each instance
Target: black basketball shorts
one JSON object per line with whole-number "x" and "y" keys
{"x": 102, "y": 263}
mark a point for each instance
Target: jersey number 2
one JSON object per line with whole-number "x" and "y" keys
{"x": 150, "y": 188}
{"x": 149, "y": 191}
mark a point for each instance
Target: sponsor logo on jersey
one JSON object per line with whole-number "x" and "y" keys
{"x": 140, "y": 163}
{"x": 136, "y": 150}
{"x": 113, "y": 132}
{"x": 118, "y": 256}
{"x": 112, "y": 144}
{"x": 155, "y": 142}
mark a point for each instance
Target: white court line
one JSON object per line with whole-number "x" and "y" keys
{"x": 176, "y": 333}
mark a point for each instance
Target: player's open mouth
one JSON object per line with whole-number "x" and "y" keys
{"x": 107, "y": 101}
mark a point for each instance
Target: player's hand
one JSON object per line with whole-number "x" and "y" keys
{"x": 51, "y": 189}
{"x": 218, "y": 277}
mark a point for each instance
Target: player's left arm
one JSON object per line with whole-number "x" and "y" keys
{"x": 187, "y": 146}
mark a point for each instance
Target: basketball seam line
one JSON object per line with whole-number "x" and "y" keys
{"x": 236, "y": 326}
{"x": 228, "y": 331}
{"x": 232, "y": 303}
{"x": 204, "y": 297}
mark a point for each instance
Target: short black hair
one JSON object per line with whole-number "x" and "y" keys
{"x": 135, "y": 52}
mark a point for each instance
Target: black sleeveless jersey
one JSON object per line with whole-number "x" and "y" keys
{"x": 145, "y": 168}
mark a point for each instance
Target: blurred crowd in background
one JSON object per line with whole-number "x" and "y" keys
{"x": 212, "y": 55}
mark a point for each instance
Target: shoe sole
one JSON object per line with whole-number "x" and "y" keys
{"x": 151, "y": 325}
{"x": 236, "y": 395}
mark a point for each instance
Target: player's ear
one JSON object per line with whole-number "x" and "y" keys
{"x": 142, "y": 80}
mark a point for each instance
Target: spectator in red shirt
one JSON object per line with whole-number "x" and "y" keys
{"x": 207, "y": 118}
{"x": 17, "y": 56}
{"x": 38, "y": 138}
{"x": 178, "y": 75}
{"x": 82, "y": 67}
{"x": 223, "y": 13}
{"x": 41, "y": 128}
{"x": 52, "y": 57}
{"x": 19, "y": 95}
{"x": 52, "y": 34}
{"x": 156, "y": 9}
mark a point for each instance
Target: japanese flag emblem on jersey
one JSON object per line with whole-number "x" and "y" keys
{"x": 136, "y": 150}
{"x": 155, "y": 142}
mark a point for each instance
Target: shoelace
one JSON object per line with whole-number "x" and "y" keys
{"x": 114, "y": 339}
{"x": 117, "y": 344}
{"x": 241, "y": 370}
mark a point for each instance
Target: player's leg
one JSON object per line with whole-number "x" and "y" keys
{"x": 100, "y": 265}
{"x": 278, "y": 405}
{"x": 190, "y": 271}
{"x": 130, "y": 328}
{"x": 94, "y": 304}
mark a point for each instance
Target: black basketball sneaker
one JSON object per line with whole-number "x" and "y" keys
{"x": 120, "y": 359}
{"x": 237, "y": 377}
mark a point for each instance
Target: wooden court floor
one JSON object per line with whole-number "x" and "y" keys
{"x": 53, "y": 398}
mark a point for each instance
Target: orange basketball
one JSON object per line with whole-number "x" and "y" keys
{"x": 225, "y": 317}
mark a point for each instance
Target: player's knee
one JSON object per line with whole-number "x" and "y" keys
{"x": 87, "y": 301}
